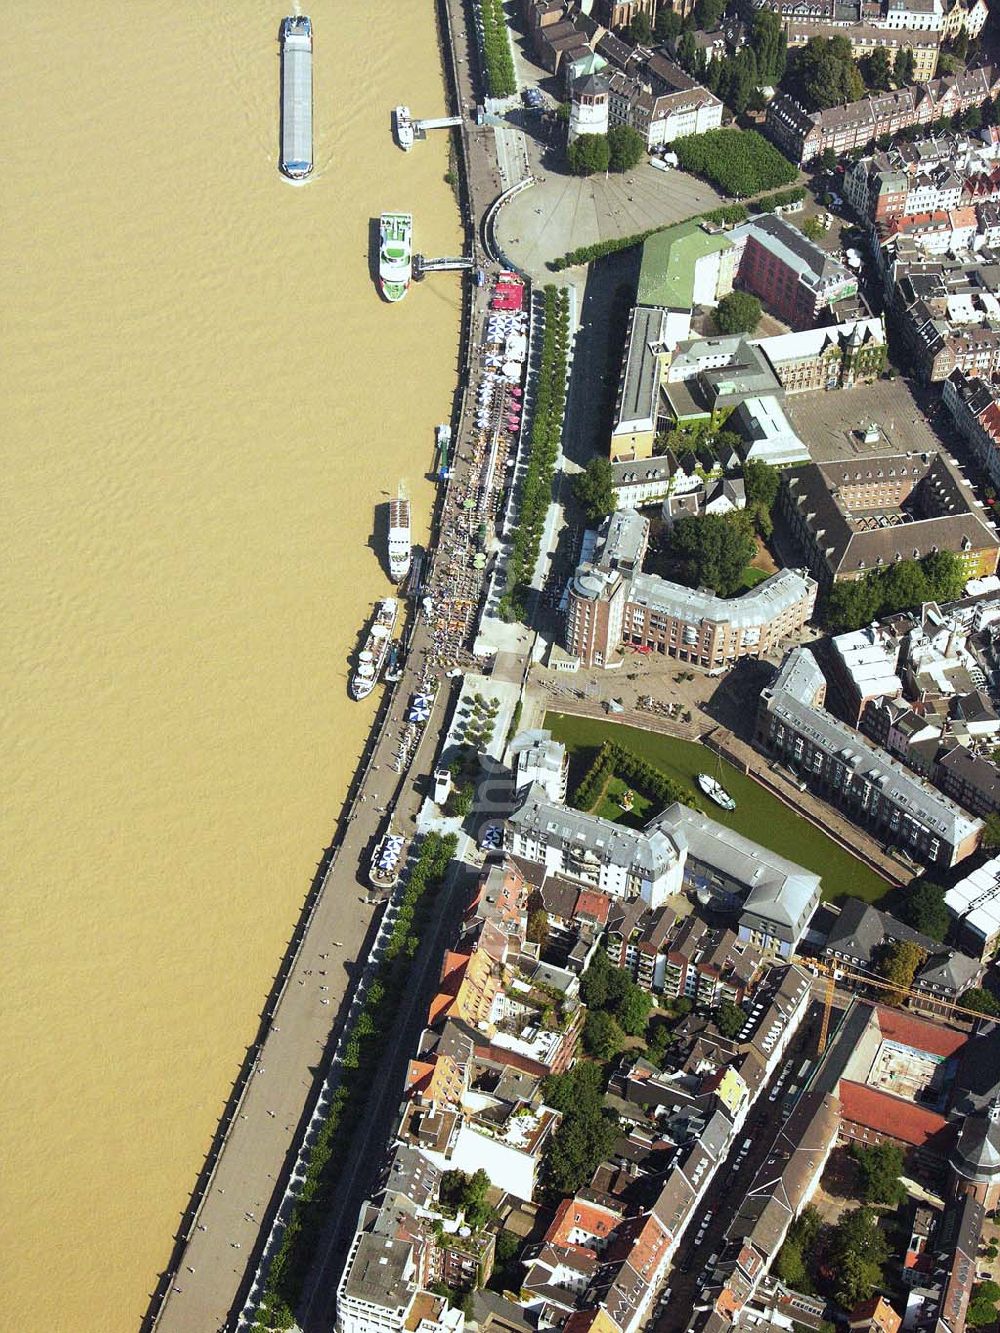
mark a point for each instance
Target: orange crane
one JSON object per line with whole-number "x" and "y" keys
{"x": 834, "y": 972}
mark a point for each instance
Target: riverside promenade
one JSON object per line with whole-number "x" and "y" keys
{"x": 229, "y": 1218}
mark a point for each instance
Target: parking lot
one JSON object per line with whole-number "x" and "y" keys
{"x": 833, "y": 423}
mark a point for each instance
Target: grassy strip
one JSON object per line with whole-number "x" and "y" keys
{"x": 361, "y": 1055}
{"x": 496, "y": 48}
{"x": 546, "y": 430}
{"x": 614, "y": 760}
{"x": 585, "y": 254}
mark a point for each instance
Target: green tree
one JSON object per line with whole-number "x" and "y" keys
{"x": 904, "y": 584}
{"x": 903, "y": 67}
{"x": 960, "y": 50}
{"x": 687, "y": 51}
{"x": 876, "y": 69}
{"x": 879, "y": 1168}
{"x": 790, "y": 1267}
{"x": 538, "y": 927}
{"x": 594, "y": 489}
{"x": 898, "y": 964}
{"x": 851, "y": 604}
{"x": 762, "y": 484}
{"x": 602, "y": 1037}
{"x": 923, "y": 908}
{"x": 660, "y": 1038}
{"x": 626, "y": 147}
{"x": 991, "y": 831}
{"x": 983, "y": 1001}
{"x": 825, "y": 74}
{"x": 587, "y": 1132}
{"x": 827, "y": 160}
{"x": 594, "y": 982}
{"x": 715, "y": 549}
{"x": 708, "y": 13}
{"x": 729, "y": 1018}
{"x": 739, "y": 312}
{"x": 737, "y": 162}
{"x": 813, "y": 229}
{"x": 589, "y": 154}
{"x": 640, "y": 30}
{"x": 668, "y": 25}
{"x": 983, "y": 1305}
{"x": 945, "y": 575}
{"x": 857, "y": 1251}
{"x": 768, "y": 40}
{"x": 633, "y": 1010}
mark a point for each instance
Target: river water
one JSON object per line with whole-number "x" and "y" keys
{"x": 204, "y": 399}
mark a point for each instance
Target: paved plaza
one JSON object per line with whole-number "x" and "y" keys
{"x": 561, "y": 212}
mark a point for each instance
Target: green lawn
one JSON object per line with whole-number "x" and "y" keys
{"x": 610, "y": 807}
{"x": 751, "y": 577}
{"x": 758, "y": 814}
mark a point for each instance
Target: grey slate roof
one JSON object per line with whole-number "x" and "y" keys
{"x": 918, "y": 800}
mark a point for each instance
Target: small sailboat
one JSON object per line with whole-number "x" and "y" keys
{"x": 715, "y": 791}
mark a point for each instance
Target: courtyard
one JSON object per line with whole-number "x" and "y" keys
{"x": 833, "y": 423}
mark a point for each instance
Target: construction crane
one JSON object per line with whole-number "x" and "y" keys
{"x": 834, "y": 973}
{"x": 824, "y": 1027}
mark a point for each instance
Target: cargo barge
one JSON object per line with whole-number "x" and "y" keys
{"x": 296, "y": 97}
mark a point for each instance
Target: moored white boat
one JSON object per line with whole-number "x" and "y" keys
{"x": 372, "y": 656}
{"x": 399, "y": 537}
{"x": 715, "y": 791}
{"x": 395, "y": 258}
{"x": 404, "y": 127}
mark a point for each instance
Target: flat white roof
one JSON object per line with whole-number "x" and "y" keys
{"x": 983, "y": 888}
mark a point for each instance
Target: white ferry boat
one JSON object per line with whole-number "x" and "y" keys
{"x": 296, "y": 97}
{"x": 399, "y": 537}
{"x": 404, "y": 128}
{"x": 388, "y": 861}
{"x": 395, "y": 264}
{"x": 372, "y": 657}
{"x": 442, "y": 436}
{"x": 715, "y": 791}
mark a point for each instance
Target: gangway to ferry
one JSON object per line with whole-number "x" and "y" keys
{"x": 422, "y": 265}
{"x": 420, "y": 127}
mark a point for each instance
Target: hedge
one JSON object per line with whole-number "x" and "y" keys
{"x": 769, "y": 202}
{"x": 310, "y": 1212}
{"x": 613, "y": 759}
{"x": 585, "y": 254}
{"x": 496, "y": 49}
{"x": 543, "y": 449}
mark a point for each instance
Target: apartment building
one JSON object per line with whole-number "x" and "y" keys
{"x": 925, "y": 46}
{"x": 611, "y": 603}
{"x": 803, "y": 135}
{"x": 770, "y": 897}
{"x": 844, "y": 769}
{"x": 974, "y": 404}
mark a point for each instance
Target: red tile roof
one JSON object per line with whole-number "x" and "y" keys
{"x": 917, "y": 1032}
{"x": 892, "y": 1116}
{"x": 592, "y": 904}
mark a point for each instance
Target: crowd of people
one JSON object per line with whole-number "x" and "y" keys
{"x": 479, "y": 480}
